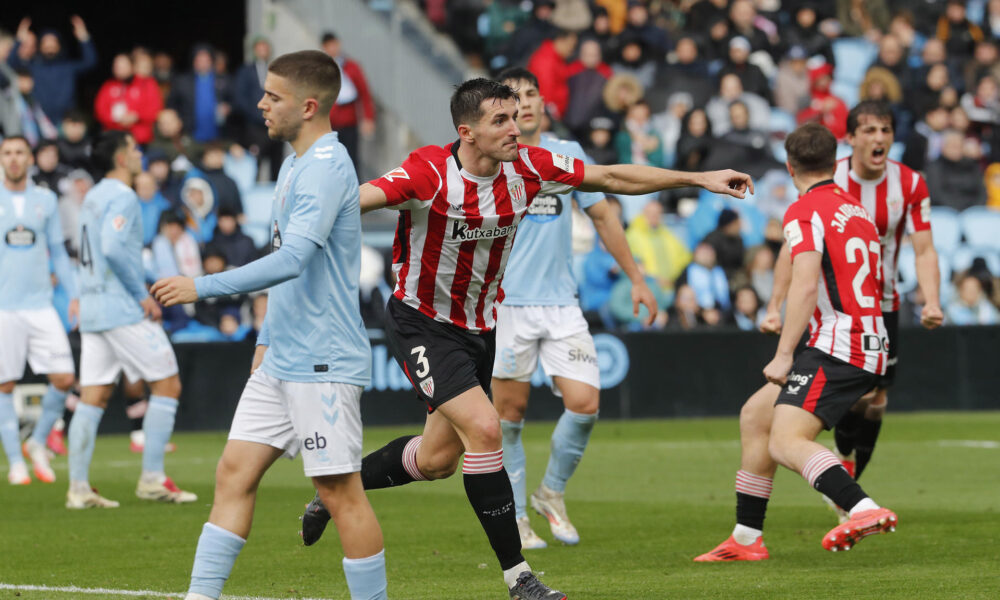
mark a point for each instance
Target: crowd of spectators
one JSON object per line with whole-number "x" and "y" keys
{"x": 684, "y": 84}
{"x": 710, "y": 84}
{"x": 204, "y": 143}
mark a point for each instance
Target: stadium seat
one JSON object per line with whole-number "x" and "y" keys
{"x": 846, "y": 91}
{"x": 947, "y": 229}
{"x": 962, "y": 258}
{"x": 981, "y": 226}
{"x": 706, "y": 218}
{"x": 896, "y": 151}
{"x": 257, "y": 209}
{"x": 906, "y": 276}
{"x": 843, "y": 150}
{"x": 853, "y": 57}
{"x": 781, "y": 121}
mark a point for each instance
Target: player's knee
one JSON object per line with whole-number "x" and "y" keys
{"x": 485, "y": 433}
{"x": 440, "y": 466}
{"x": 777, "y": 447}
{"x": 169, "y": 387}
{"x": 876, "y": 408}
{"x": 231, "y": 478}
{"x": 62, "y": 381}
{"x": 585, "y": 404}
{"x": 754, "y": 421}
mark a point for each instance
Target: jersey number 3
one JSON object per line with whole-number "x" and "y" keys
{"x": 423, "y": 366}
{"x": 854, "y": 246}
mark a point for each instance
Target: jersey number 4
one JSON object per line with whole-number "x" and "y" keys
{"x": 86, "y": 257}
{"x": 857, "y": 252}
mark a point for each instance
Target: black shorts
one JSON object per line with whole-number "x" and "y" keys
{"x": 440, "y": 360}
{"x": 825, "y": 386}
{"x": 891, "y": 320}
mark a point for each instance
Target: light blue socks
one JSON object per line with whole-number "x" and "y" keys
{"x": 515, "y": 463}
{"x": 366, "y": 577}
{"x": 213, "y": 560}
{"x": 82, "y": 436}
{"x": 157, "y": 425}
{"x": 53, "y": 403}
{"x": 568, "y": 443}
{"x": 10, "y": 433}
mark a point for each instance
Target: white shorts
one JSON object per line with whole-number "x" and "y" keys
{"x": 322, "y": 420}
{"x": 141, "y": 349}
{"x": 556, "y": 334}
{"x": 36, "y": 336}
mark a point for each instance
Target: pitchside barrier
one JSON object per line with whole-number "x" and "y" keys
{"x": 644, "y": 375}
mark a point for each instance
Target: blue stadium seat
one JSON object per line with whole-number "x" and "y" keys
{"x": 853, "y": 57}
{"x": 947, "y": 229}
{"x": 778, "y": 150}
{"x": 962, "y": 258}
{"x": 906, "y": 275}
{"x": 706, "y": 218}
{"x": 981, "y": 227}
{"x": 896, "y": 151}
{"x": 846, "y": 90}
{"x": 781, "y": 121}
{"x": 257, "y": 209}
{"x": 843, "y": 150}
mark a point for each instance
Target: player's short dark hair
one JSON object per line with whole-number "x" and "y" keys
{"x": 518, "y": 74}
{"x": 312, "y": 71}
{"x": 879, "y": 109}
{"x": 108, "y": 144}
{"x": 811, "y": 149}
{"x": 328, "y": 36}
{"x": 467, "y": 101}
{"x": 10, "y": 138}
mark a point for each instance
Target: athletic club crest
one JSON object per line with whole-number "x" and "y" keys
{"x": 427, "y": 387}
{"x": 516, "y": 191}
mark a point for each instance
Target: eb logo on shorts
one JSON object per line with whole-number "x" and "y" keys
{"x": 316, "y": 442}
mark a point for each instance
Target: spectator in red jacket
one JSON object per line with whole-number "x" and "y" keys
{"x": 827, "y": 109}
{"x": 549, "y": 65}
{"x": 354, "y": 110}
{"x": 128, "y": 102}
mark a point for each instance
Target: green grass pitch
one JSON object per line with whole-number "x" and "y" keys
{"x": 647, "y": 498}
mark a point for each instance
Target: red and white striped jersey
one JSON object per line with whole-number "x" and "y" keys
{"x": 900, "y": 204}
{"x": 455, "y": 229}
{"x": 847, "y": 322}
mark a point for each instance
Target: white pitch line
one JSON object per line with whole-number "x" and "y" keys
{"x": 970, "y": 443}
{"x": 72, "y": 589}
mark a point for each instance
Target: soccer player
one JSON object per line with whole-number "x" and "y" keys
{"x": 540, "y": 318}
{"x": 896, "y": 196}
{"x": 460, "y": 205}
{"x": 30, "y": 328}
{"x": 313, "y": 357}
{"x": 835, "y": 284}
{"x": 118, "y": 332}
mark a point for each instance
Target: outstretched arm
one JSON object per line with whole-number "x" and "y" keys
{"x": 372, "y": 198}
{"x": 287, "y": 263}
{"x": 641, "y": 179}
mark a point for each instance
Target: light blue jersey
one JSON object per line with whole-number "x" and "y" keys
{"x": 111, "y": 273}
{"x": 540, "y": 267}
{"x": 31, "y": 233}
{"x": 313, "y": 327}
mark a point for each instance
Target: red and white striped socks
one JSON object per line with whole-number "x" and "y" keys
{"x": 752, "y": 494}
{"x": 410, "y": 458}
{"x": 481, "y": 463}
{"x": 754, "y": 485}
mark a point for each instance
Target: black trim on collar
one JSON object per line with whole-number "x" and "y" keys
{"x": 820, "y": 184}
{"x": 454, "y": 152}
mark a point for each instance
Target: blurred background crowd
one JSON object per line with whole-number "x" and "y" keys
{"x": 682, "y": 84}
